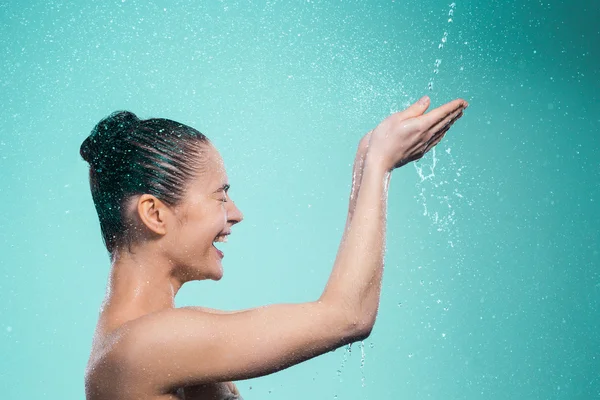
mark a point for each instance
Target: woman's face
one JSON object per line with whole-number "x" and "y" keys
{"x": 206, "y": 212}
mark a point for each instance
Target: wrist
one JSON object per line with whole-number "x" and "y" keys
{"x": 376, "y": 162}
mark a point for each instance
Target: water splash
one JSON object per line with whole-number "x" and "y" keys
{"x": 427, "y": 175}
{"x": 362, "y": 363}
{"x": 438, "y": 194}
{"x": 438, "y": 61}
{"x": 347, "y": 352}
{"x": 442, "y": 218}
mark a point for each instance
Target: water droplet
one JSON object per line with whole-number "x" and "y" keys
{"x": 362, "y": 362}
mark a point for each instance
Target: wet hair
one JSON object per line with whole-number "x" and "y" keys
{"x": 129, "y": 156}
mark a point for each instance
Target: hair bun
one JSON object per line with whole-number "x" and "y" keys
{"x": 106, "y": 136}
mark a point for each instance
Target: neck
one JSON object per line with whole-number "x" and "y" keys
{"x": 140, "y": 283}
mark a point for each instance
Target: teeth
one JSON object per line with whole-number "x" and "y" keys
{"x": 222, "y": 239}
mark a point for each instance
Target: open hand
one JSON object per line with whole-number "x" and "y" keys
{"x": 408, "y": 135}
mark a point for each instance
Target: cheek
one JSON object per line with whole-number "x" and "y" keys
{"x": 192, "y": 229}
{"x": 224, "y": 217}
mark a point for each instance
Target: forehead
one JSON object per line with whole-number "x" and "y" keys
{"x": 213, "y": 174}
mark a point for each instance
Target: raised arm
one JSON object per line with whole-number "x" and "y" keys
{"x": 402, "y": 137}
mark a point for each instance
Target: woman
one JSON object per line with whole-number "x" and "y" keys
{"x": 160, "y": 189}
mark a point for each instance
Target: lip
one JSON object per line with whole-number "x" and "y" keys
{"x": 219, "y": 252}
{"x": 222, "y": 234}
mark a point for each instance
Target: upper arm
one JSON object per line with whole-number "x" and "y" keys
{"x": 185, "y": 346}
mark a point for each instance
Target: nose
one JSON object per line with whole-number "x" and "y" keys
{"x": 234, "y": 215}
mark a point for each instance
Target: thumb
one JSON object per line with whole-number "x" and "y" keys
{"x": 417, "y": 108}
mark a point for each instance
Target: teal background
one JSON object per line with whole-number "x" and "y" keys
{"x": 492, "y": 280}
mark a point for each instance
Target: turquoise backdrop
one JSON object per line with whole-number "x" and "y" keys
{"x": 492, "y": 278}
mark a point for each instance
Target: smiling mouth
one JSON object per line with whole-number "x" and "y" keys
{"x": 222, "y": 238}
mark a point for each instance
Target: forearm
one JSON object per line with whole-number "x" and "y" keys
{"x": 355, "y": 281}
{"x": 357, "y": 171}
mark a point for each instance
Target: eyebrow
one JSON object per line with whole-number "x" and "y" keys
{"x": 225, "y": 187}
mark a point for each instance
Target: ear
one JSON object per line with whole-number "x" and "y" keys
{"x": 152, "y": 213}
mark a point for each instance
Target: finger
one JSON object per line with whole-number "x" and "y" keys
{"x": 436, "y": 116}
{"x": 437, "y": 139}
{"x": 444, "y": 128}
{"x": 416, "y": 109}
{"x": 440, "y": 135}
{"x": 449, "y": 120}
{"x": 431, "y": 144}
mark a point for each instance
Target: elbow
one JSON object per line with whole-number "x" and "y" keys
{"x": 364, "y": 330}
{"x": 354, "y": 325}
{"x": 360, "y": 328}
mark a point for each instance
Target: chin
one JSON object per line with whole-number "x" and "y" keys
{"x": 207, "y": 267}
{"x": 207, "y": 271}
{"x": 212, "y": 275}
{"x": 215, "y": 273}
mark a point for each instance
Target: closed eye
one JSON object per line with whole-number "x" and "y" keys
{"x": 224, "y": 190}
